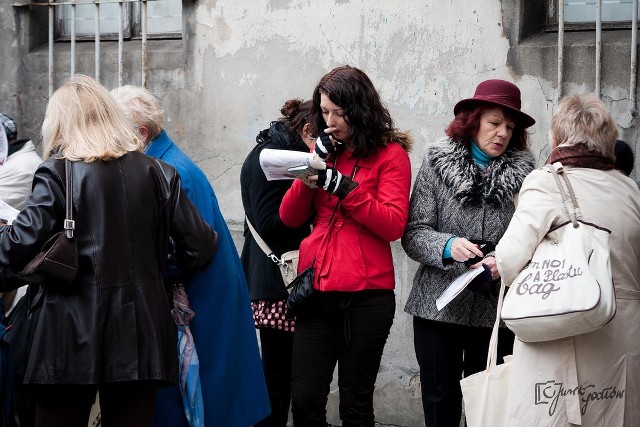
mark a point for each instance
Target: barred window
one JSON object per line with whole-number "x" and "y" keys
{"x": 164, "y": 19}
{"x": 615, "y": 13}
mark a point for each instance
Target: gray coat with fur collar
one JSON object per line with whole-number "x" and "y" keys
{"x": 451, "y": 197}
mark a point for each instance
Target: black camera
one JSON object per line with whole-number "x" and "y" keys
{"x": 485, "y": 246}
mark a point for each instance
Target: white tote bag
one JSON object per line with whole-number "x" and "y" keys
{"x": 566, "y": 289}
{"x": 485, "y": 393}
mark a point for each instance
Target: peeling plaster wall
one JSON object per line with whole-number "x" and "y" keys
{"x": 255, "y": 55}
{"x": 239, "y": 61}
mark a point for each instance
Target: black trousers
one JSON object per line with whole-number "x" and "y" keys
{"x": 277, "y": 349}
{"x": 128, "y": 404}
{"x": 24, "y": 404}
{"x": 347, "y": 328}
{"x": 446, "y": 353}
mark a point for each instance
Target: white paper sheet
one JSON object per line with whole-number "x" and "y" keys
{"x": 276, "y": 163}
{"x": 4, "y": 146}
{"x": 7, "y": 212}
{"x": 457, "y": 286}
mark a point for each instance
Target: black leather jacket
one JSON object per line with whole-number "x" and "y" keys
{"x": 114, "y": 323}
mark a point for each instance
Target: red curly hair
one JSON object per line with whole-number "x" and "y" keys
{"x": 467, "y": 122}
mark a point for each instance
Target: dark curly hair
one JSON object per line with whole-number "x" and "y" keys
{"x": 368, "y": 118}
{"x": 295, "y": 114}
{"x": 467, "y": 122}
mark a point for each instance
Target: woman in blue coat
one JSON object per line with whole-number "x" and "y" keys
{"x": 233, "y": 384}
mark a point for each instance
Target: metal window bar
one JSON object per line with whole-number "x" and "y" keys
{"x": 97, "y": 41}
{"x": 121, "y": 46}
{"x": 144, "y": 44}
{"x": 50, "y": 35}
{"x": 560, "y": 46}
{"x": 51, "y": 5}
{"x": 73, "y": 39}
{"x": 598, "y": 47}
{"x": 634, "y": 58}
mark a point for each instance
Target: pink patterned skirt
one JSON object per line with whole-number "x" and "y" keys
{"x": 272, "y": 314}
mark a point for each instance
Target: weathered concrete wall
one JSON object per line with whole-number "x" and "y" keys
{"x": 239, "y": 61}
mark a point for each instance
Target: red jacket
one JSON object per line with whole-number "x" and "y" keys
{"x": 355, "y": 254}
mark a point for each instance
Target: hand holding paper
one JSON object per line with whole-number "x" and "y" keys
{"x": 457, "y": 286}
{"x": 287, "y": 164}
{"x": 303, "y": 173}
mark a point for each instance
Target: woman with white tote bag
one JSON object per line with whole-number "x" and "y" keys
{"x": 591, "y": 379}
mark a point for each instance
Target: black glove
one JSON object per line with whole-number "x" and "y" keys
{"x": 331, "y": 180}
{"x": 324, "y": 147}
{"x": 483, "y": 282}
{"x": 485, "y": 246}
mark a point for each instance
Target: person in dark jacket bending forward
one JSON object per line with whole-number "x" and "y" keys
{"x": 261, "y": 200}
{"x": 111, "y": 330}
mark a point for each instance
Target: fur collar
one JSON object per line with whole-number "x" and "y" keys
{"x": 496, "y": 186}
{"x": 401, "y": 137}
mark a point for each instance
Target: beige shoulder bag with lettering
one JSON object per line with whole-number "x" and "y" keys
{"x": 566, "y": 289}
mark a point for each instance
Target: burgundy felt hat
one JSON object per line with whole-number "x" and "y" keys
{"x": 500, "y": 93}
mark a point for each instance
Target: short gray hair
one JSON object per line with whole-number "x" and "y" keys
{"x": 585, "y": 119}
{"x": 141, "y": 107}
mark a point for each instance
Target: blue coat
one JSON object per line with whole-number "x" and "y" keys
{"x": 233, "y": 384}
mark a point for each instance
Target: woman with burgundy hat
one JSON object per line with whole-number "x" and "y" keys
{"x": 462, "y": 201}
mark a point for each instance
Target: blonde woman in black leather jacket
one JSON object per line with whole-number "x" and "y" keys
{"x": 111, "y": 331}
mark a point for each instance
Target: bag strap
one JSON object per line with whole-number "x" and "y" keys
{"x": 569, "y": 201}
{"x": 492, "y": 357}
{"x": 69, "y": 223}
{"x": 263, "y": 245}
{"x": 566, "y": 345}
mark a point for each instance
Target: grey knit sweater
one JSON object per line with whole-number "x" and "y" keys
{"x": 451, "y": 197}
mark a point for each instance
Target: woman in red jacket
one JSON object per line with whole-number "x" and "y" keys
{"x": 360, "y": 206}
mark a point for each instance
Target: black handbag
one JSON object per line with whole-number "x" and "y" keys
{"x": 57, "y": 262}
{"x": 300, "y": 290}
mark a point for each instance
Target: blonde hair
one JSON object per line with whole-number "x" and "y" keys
{"x": 84, "y": 123}
{"x": 585, "y": 119}
{"x": 141, "y": 107}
